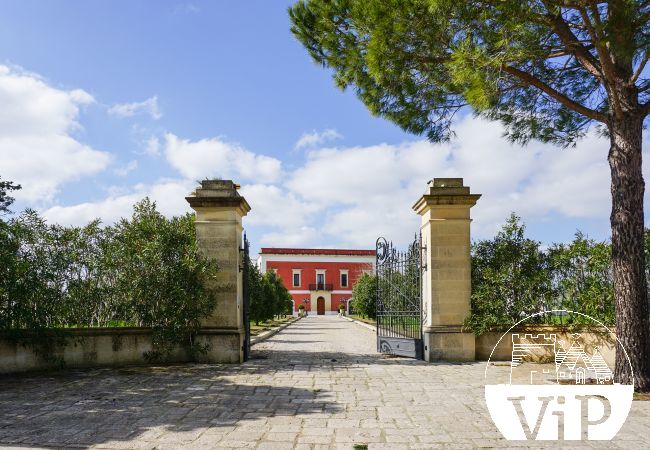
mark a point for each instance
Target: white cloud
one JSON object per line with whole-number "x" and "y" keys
{"x": 365, "y": 192}
{"x": 276, "y": 208}
{"x": 126, "y": 169}
{"x": 361, "y": 225}
{"x": 350, "y": 196}
{"x": 169, "y": 196}
{"x": 308, "y": 140}
{"x": 294, "y": 237}
{"x": 348, "y": 175}
{"x": 152, "y": 146}
{"x": 218, "y": 158}
{"x": 186, "y": 8}
{"x": 36, "y": 146}
{"x": 148, "y": 106}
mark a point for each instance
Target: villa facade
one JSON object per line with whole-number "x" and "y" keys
{"x": 319, "y": 279}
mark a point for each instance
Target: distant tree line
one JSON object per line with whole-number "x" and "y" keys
{"x": 269, "y": 297}
{"x": 143, "y": 271}
{"x": 514, "y": 277}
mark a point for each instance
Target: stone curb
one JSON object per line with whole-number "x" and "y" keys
{"x": 363, "y": 324}
{"x": 267, "y": 334}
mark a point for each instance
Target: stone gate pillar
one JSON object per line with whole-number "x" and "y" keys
{"x": 446, "y": 281}
{"x": 219, "y": 211}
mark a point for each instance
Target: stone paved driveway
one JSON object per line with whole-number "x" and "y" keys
{"x": 318, "y": 384}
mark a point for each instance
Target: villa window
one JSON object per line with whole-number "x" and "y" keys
{"x": 320, "y": 279}
{"x": 296, "y": 278}
{"x": 344, "y": 278}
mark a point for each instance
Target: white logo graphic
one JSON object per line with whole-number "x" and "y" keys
{"x": 559, "y": 386}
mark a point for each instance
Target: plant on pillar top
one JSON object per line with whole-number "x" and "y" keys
{"x": 546, "y": 69}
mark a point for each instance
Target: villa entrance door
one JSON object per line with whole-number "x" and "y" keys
{"x": 320, "y": 306}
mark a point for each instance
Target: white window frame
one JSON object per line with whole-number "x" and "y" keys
{"x": 321, "y": 272}
{"x": 347, "y": 277}
{"x": 293, "y": 277}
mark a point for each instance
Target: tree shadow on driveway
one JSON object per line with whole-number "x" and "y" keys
{"x": 176, "y": 405}
{"x": 85, "y": 408}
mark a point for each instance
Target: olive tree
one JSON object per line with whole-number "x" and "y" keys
{"x": 583, "y": 277}
{"x": 510, "y": 279}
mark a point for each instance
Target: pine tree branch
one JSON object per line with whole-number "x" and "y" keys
{"x": 548, "y": 90}
{"x": 604, "y": 55}
{"x": 639, "y": 69}
{"x": 572, "y": 43}
{"x": 642, "y": 19}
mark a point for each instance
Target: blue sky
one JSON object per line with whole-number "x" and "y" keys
{"x": 111, "y": 101}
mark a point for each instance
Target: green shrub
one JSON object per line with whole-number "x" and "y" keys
{"x": 512, "y": 278}
{"x": 364, "y": 296}
{"x": 162, "y": 275}
{"x": 144, "y": 271}
{"x": 268, "y": 295}
{"x": 582, "y": 273}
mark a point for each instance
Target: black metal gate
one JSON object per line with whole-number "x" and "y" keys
{"x": 246, "y": 263}
{"x": 399, "y": 298}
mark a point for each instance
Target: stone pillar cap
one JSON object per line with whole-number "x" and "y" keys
{"x": 218, "y": 193}
{"x": 445, "y": 191}
{"x": 446, "y": 182}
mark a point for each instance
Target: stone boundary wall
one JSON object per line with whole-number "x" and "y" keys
{"x": 101, "y": 347}
{"x": 105, "y": 347}
{"x": 486, "y": 342}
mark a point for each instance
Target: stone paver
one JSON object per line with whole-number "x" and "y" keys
{"x": 318, "y": 384}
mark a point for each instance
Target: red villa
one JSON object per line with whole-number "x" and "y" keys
{"x": 321, "y": 279}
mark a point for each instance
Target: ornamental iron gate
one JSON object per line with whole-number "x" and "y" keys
{"x": 245, "y": 268}
{"x": 399, "y": 298}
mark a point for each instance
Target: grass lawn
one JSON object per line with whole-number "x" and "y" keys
{"x": 362, "y": 319}
{"x": 265, "y": 326}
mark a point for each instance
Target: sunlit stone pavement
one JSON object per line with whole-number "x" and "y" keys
{"x": 317, "y": 384}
